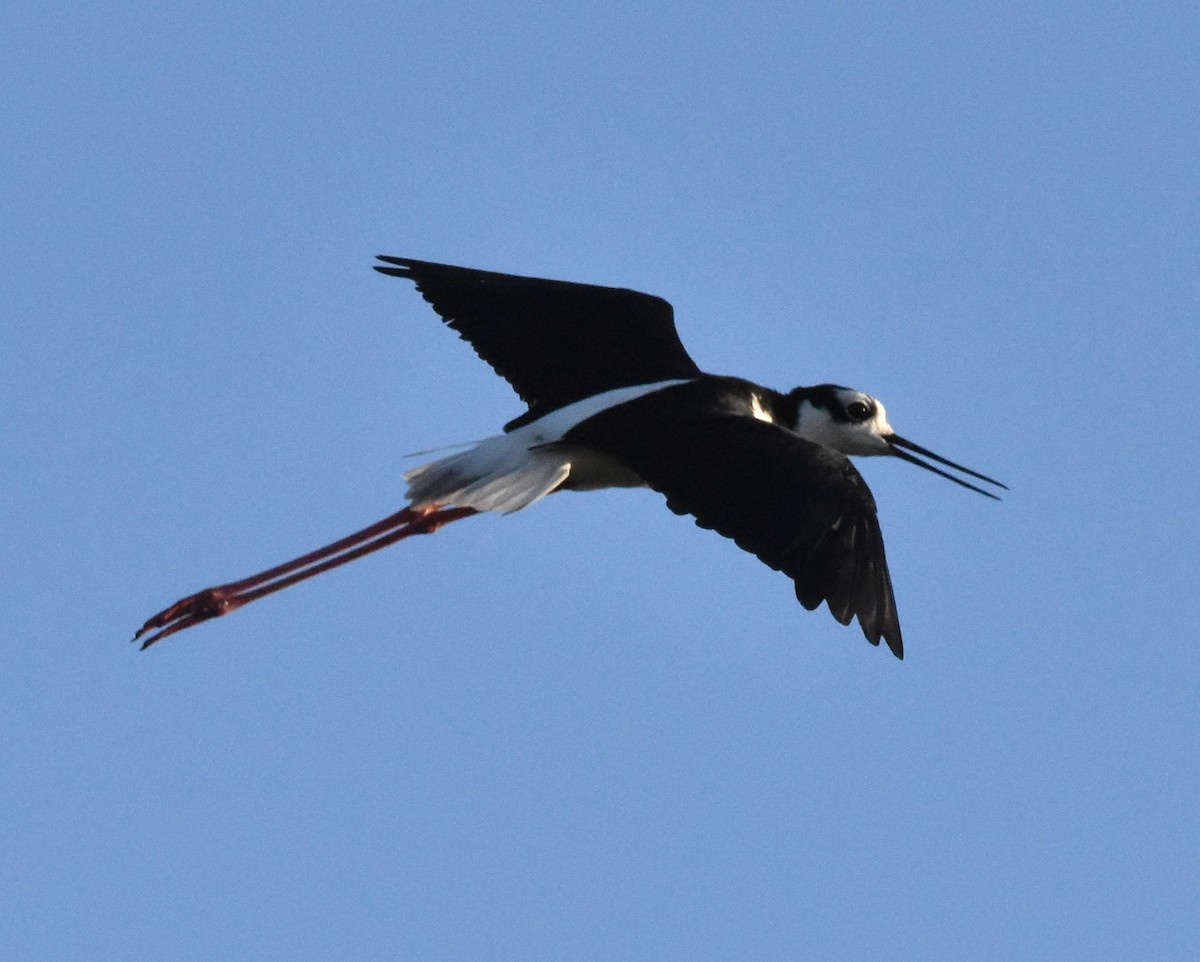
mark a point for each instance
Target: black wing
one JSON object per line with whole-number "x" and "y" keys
{"x": 800, "y": 507}
{"x": 555, "y": 342}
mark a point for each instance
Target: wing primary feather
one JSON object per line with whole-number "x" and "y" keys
{"x": 799, "y": 507}
{"x": 555, "y": 342}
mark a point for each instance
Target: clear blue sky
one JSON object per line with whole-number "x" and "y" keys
{"x": 590, "y": 730}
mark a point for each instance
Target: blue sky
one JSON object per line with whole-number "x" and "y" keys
{"x": 590, "y": 730}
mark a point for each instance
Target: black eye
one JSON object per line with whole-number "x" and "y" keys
{"x": 859, "y": 410}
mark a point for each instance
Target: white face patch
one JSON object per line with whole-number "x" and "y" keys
{"x": 848, "y": 437}
{"x": 881, "y": 421}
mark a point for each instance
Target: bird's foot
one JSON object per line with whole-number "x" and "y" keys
{"x": 203, "y": 605}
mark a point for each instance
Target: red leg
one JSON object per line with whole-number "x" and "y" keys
{"x": 214, "y": 602}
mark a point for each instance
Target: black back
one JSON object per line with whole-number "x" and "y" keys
{"x": 555, "y": 342}
{"x": 800, "y": 507}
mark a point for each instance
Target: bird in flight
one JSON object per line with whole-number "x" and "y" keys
{"x": 614, "y": 400}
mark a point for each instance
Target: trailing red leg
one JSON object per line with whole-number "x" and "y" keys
{"x": 214, "y": 602}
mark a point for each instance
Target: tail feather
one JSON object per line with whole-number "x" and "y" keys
{"x": 489, "y": 477}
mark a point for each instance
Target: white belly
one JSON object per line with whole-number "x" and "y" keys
{"x": 511, "y": 471}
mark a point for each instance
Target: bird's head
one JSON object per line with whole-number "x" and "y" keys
{"x": 855, "y": 423}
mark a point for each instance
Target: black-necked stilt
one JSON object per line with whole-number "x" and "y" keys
{"x": 615, "y": 401}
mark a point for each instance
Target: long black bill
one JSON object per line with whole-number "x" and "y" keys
{"x": 899, "y": 443}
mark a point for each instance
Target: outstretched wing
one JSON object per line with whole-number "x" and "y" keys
{"x": 800, "y": 507}
{"x": 555, "y": 342}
